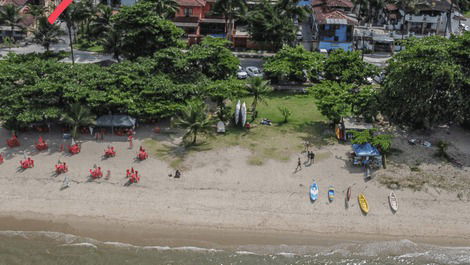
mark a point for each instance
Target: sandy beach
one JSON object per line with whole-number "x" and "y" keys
{"x": 220, "y": 199}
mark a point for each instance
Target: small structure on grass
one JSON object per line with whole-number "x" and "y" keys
{"x": 344, "y": 128}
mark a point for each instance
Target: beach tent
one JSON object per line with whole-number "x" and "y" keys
{"x": 365, "y": 150}
{"x": 116, "y": 121}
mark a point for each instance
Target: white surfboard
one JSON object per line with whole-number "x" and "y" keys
{"x": 237, "y": 112}
{"x": 243, "y": 113}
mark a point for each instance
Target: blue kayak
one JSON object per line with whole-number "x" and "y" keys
{"x": 314, "y": 192}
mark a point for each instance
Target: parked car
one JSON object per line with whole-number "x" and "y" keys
{"x": 241, "y": 74}
{"x": 254, "y": 71}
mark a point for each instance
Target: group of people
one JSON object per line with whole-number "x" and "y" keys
{"x": 310, "y": 157}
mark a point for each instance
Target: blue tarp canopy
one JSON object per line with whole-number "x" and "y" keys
{"x": 365, "y": 150}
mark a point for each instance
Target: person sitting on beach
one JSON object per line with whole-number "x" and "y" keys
{"x": 177, "y": 174}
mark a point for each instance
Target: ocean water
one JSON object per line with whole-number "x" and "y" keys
{"x": 50, "y": 248}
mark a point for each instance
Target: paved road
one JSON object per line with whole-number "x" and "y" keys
{"x": 63, "y": 45}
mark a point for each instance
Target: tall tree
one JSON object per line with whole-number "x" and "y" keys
{"x": 257, "y": 88}
{"x": 333, "y": 99}
{"x": 68, "y": 16}
{"x": 46, "y": 34}
{"x": 294, "y": 64}
{"x": 267, "y": 23}
{"x": 112, "y": 42}
{"x": 194, "y": 119}
{"x": 164, "y": 8}
{"x": 426, "y": 84}
{"x": 77, "y": 116}
{"x": 10, "y": 16}
{"x": 348, "y": 67}
{"x": 231, "y": 10}
{"x": 101, "y": 21}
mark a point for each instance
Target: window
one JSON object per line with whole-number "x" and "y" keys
{"x": 188, "y": 12}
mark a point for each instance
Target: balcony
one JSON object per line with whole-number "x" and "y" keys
{"x": 422, "y": 19}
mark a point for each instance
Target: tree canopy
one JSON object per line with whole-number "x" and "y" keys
{"x": 144, "y": 32}
{"x": 428, "y": 83}
{"x": 342, "y": 66}
{"x": 294, "y": 64}
{"x": 35, "y": 89}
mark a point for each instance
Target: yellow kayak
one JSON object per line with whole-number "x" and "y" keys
{"x": 363, "y": 203}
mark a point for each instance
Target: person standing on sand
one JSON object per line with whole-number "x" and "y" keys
{"x": 312, "y": 157}
{"x": 299, "y": 165}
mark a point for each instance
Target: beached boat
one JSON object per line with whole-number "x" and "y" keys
{"x": 348, "y": 194}
{"x": 392, "y": 199}
{"x": 243, "y": 114}
{"x": 363, "y": 203}
{"x": 237, "y": 112}
{"x": 314, "y": 191}
{"x": 331, "y": 193}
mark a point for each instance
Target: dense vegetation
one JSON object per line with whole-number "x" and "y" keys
{"x": 33, "y": 89}
{"x": 429, "y": 83}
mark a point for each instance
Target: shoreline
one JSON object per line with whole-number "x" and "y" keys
{"x": 222, "y": 238}
{"x": 223, "y": 202}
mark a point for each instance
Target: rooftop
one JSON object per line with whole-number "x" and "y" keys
{"x": 324, "y": 16}
{"x": 193, "y": 3}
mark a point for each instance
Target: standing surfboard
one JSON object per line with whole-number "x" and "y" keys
{"x": 348, "y": 194}
{"x": 237, "y": 112}
{"x": 243, "y": 114}
{"x": 392, "y": 199}
{"x": 313, "y": 192}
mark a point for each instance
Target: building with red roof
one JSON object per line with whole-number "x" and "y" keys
{"x": 196, "y": 19}
{"x": 332, "y": 24}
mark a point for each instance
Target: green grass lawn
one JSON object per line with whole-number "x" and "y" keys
{"x": 95, "y": 48}
{"x": 467, "y": 14}
{"x": 278, "y": 141}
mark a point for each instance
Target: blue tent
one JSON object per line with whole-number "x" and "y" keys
{"x": 365, "y": 150}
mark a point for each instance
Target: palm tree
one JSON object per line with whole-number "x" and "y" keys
{"x": 83, "y": 15}
{"x": 36, "y": 11}
{"x": 10, "y": 15}
{"x": 165, "y": 8}
{"x": 101, "y": 22}
{"x": 258, "y": 88}
{"x": 194, "y": 119}
{"x": 231, "y": 10}
{"x": 79, "y": 115}
{"x": 67, "y": 16}
{"x": 112, "y": 42}
{"x": 46, "y": 34}
{"x": 291, "y": 9}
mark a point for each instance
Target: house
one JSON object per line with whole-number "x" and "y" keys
{"x": 431, "y": 18}
{"x": 332, "y": 24}
{"x": 196, "y": 19}
{"x": 27, "y": 20}
{"x": 393, "y": 17}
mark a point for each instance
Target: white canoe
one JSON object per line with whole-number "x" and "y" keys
{"x": 237, "y": 112}
{"x": 243, "y": 113}
{"x": 392, "y": 199}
